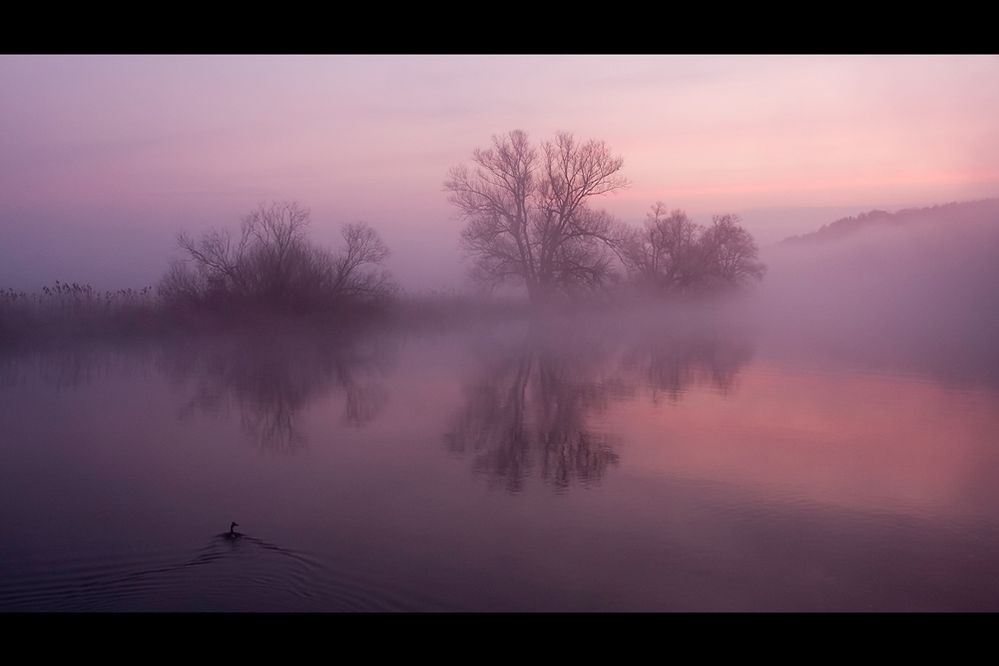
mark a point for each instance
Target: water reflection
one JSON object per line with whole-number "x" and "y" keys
{"x": 528, "y": 408}
{"x": 271, "y": 379}
{"x": 725, "y": 483}
{"x": 73, "y": 365}
{"x": 239, "y": 572}
{"x": 531, "y": 408}
{"x": 669, "y": 364}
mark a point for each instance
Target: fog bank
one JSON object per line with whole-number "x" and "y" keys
{"x": 916, "y": 287}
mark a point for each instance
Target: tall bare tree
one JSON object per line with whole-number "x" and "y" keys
{"x": 528, "y": 215}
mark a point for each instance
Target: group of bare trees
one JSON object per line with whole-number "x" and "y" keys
{"x": 529, "y": 220}
{"x": 271, "y": 264}
{"x": 674, "y": 254}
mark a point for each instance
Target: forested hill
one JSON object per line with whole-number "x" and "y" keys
{"x": 983, "y": 211}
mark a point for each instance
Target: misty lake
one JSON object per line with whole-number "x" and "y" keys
{"x": 583, "y": 464}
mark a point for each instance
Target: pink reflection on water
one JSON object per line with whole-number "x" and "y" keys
{"x": 862, "y": 441}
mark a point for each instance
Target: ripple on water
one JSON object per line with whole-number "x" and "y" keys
{"x": 225, "y": 575}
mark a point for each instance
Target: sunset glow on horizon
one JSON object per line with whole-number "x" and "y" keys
{"x": 103, "y": 159}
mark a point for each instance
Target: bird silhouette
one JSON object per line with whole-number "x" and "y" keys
{"x": 232, "y": 533}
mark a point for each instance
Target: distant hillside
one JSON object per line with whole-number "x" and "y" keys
{"x": 986, "y": 210}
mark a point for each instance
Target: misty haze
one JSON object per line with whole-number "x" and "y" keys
{"x": 546, "y": 333}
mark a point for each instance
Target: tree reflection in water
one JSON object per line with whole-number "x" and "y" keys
{"x": 528, "y": 409}
{"x": 272, "y": 378}
{"x": 531, "y": 407}
{"x": 671, "y": 364}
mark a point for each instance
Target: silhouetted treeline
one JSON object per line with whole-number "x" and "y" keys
{"x": 270, "y": 267}
{"x": 530, "y": 223}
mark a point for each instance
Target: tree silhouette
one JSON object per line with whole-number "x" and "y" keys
{"x": 673, "y": 254}
{"x": 528, "y": 215}
{"x": 729, "y": 253}
{"x": 664, "y": 255}
{"x": 272, "y": 265}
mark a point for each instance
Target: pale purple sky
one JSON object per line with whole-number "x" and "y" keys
{"x": 104, "y": 158}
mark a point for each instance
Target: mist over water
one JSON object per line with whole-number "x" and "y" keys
{"x": 684, "y": 457}
{"x": 498, "y": 333}
{"x": 915, "y": 291}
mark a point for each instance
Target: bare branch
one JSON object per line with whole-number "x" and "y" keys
{"x": 526, "y": 212}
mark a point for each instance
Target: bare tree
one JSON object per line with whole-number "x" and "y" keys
{"x": 527, "y": 212}
{"x": 274, "y": 258}
{"x": 356, "y": 271}
{"x": 664, "y": 254}
{"x": 673, "y": 254}
{"x": 273, "y": 264}
{"x": 729, "y": 253}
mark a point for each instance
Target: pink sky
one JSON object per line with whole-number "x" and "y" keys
{"x": 104, "y": 158}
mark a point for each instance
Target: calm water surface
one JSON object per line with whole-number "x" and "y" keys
{"x": 580, "y": 465}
